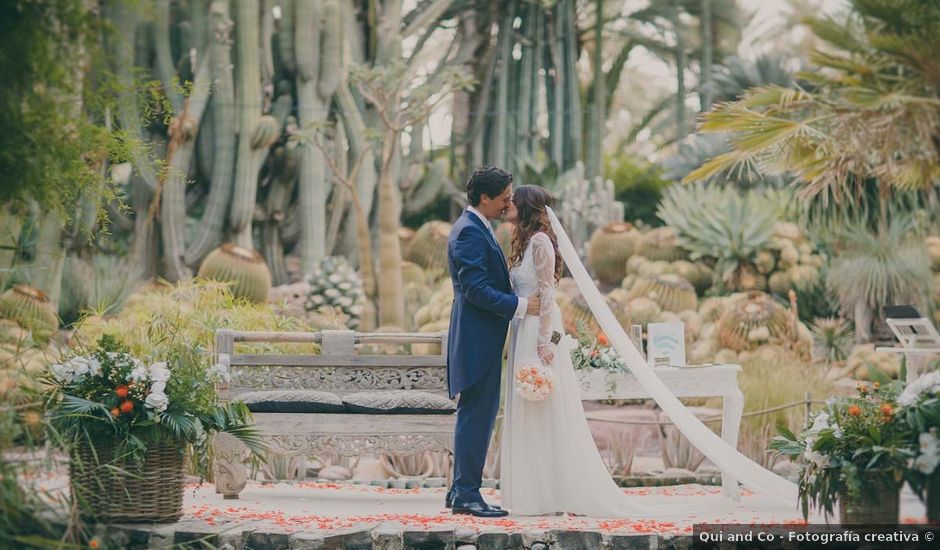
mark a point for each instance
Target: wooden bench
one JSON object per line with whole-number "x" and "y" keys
{"x": 342, "y": 369}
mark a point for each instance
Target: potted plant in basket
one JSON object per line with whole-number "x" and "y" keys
{"x": 853, "y": 451}
{"x": 919, "y": 406}
{"x": 128, "y": 424}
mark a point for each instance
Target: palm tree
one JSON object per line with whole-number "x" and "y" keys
{"x": 890, "y": 268}
{"x": 729, "y": 81}
{"x": 874, "y": 111}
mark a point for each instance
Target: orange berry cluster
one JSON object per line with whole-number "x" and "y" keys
{"x": 126, "y": 406}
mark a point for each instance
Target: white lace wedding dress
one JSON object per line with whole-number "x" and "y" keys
{"x": 549, "y": 461}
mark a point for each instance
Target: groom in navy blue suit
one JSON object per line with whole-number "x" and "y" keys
{"x": 483, "y": 307}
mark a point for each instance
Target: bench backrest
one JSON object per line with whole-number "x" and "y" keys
{"x": 340, "y": 368}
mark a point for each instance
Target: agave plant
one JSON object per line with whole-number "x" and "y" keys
{"x": 833, "y": 337}
{"x": 720, "y": 223}
{"x": 879, "y": 269}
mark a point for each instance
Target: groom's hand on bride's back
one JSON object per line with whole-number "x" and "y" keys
{"x": 535, "y": 304}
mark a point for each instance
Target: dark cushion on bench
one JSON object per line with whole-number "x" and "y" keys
{"x": 398, "y": 402}
{"x": 292, "y": 401}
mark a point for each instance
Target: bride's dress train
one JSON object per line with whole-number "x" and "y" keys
{"x": 549, "y": 461}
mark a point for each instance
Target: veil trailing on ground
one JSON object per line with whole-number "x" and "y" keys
{"x": 749, "y": 473}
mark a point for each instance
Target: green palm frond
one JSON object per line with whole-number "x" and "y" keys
{"x": 873, "y": 110}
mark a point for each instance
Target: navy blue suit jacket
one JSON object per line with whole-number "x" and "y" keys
{"x": 483, "y": 303}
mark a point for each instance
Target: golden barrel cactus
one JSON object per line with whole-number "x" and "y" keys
{"x": 609, "y": 249}
{"x": 242, "y": 267}
{"x": 428, "y": 248}
{"x": 643, "y": 310}
{"x": 751, "y": 320}
{"x": 504, "y": 237}
{"x": 661, "y": 243}
{"x": 413, "y": 273}
{"x": 29, "y": 308}
{"x": 670, "y": 292}
{"x": 405, "y": 235}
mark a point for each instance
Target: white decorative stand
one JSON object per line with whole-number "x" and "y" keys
{"x": 716, "y": 381}
{"x": 919, "y": 341}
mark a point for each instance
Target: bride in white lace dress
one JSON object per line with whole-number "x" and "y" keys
{"x": 549, "y": 461}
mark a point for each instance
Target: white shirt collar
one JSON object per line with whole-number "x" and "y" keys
{"x": 481, "y": 216}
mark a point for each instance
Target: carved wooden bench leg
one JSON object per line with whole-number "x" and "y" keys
{"x": 229, "y": 470}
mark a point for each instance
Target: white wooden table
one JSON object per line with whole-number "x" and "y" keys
{"x": 715, "y": 381}
{"x": 920, "y": 344}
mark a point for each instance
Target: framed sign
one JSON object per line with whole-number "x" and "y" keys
{"x": 666, "y": 345}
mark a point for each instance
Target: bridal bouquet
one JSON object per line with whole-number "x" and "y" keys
{"x": 534, "y": 382}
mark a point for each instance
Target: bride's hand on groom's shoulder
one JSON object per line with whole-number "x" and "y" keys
{"x": 535, "y": 304}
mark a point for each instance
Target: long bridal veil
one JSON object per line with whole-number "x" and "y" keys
{"x": 748, "y": 472}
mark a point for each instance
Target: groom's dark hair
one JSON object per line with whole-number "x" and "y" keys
{"x": 487, "y": 180}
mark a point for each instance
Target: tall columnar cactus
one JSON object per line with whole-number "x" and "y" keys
{"x": 243, "y": 267}
{"x": 586, "y": 205}
{"x": 222, "y": 130}
{"x": 249, "y": 99}
{"x": 671, "y": 292}
{"x": 428, "y": 248}
{"x": 609, "y": 249}
{"x": 754, "y": 319}
{"x": 317, "y": 44}
{"x": 182, "y": 133}
{"x": 31, "y": 309}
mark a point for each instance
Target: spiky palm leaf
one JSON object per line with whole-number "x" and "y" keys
{"x": 719, "y": 223}
{"x": 874, "y": 111}
{"x": 737, "y": 75}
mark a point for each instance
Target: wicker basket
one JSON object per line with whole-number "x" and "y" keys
{"x": 151, "y": 492}
{"x": 933, "y": 497}
{"x": 878, "y": 503}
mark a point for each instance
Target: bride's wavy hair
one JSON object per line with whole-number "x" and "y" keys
{"x": 531, "y": 202}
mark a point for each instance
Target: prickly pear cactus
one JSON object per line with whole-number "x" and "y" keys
{"x": 609, "y": 249}
{"x": 244, "y": 268}
{"x": 335, "y": 284}
{"x": 30, "y": 309}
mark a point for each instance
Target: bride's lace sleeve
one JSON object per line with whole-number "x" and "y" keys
{"x": 543, "y": 254}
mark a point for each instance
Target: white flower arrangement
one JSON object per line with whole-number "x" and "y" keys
{"x": 929, "y": 452}
{"x": 928, "y": 383}
{"x": 75, "y": 369}
{"x": 534, "y": 382}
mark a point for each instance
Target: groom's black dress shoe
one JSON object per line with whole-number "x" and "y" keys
{"x": 449, "y": 501}
{"x": 479, "y": 509}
